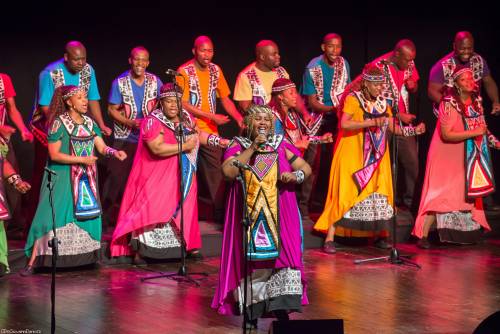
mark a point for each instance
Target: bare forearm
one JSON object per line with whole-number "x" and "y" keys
{"x": 456, "y": 136}
{"x": 196, "y": 111}
{"x": 244, "y": 105}
{"x": 434, "y": 92}
{"x": 230, "y": 108}
{"x": 491, "y": 89}
{"x": 319, "y": 107}
{"x": 230, "y": 171}
{"x": 15, "y": 115}
{"x": 164, "y": 150}
{"x": 349, "y": 124}
{"x": 117, "y": 116}
{"x": 64, "y": 158}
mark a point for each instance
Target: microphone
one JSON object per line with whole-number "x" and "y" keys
{"x": 262, "y": 132}
{"x": 240, "y": 165}
{"x": 172, "y": 72}
{"x": 50, "y": 171}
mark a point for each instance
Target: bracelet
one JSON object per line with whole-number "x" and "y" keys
{"x": 299, "y": 174}
{"x": 14, "y": 179}
{"x": 492, "y": 140}
{"x": 213, "y": 140}
{"x": 409, "y": 131}
{"x": 109, "y": 151}
{"x": 315, "y": 140}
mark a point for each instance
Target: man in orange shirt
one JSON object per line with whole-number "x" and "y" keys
{"x": 203, "y": 81}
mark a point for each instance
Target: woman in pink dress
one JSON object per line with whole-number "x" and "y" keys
{"x": 459, "y": 170}
{"x": 149, "y": 221}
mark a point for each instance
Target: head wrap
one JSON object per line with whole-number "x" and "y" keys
{"x": 170, "y": 90}
{"x": 282, "y": 84}
{"x": 459, "y": 70}
{"x": 69, "y": 91}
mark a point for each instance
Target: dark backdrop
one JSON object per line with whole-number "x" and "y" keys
{"x": 34, "y": 37}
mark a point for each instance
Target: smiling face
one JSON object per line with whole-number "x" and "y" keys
{"x": 78, "y": 102}
{"x": 261, "y": 123}
{"x": 139, "y": 62}
{"x": 465, "y": 82}
{"x": 464, "y": 49}
{"x": 332, "y": 49}
{"x": 169, "y": 107}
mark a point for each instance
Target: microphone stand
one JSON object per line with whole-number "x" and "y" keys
{"x": 181, "y": 275}
{"x": 395, "y": 257}
{"x": 246, "y": 226}
{"x": 53, "y": 244}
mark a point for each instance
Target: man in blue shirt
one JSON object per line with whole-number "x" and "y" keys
{"x": 133, "y": 96}
{"x": 72, "y": 69}
{"x": 324, "y": 81}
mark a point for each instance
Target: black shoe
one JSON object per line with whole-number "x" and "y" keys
{"x": 27, "y": 271}
{"x": 250, "y": 324}
{"x": 424, "y": 243}
{"x": 382, "y": 243}
{"x": 139, "y": 261}
{"x": 3, "y": 270}
{"x": 195, "y": 255}
{"x": 281, "y": 315}
{"x": 329, "y": 247}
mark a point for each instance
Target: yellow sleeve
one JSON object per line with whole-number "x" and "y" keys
{"x": 222, "y": 86}
{"x": 183, "y": 82}
{"x": 351, "y": 105}
{"x": 242, "y": 89}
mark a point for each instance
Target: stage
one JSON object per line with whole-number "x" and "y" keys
{"x": 457, "y": 287}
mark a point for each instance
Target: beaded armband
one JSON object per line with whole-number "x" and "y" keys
{"x": 299, "y": 174}
{"x": 109, "y": 152}
{"x": 213, "y": 140}
{"x": 14, "y": 179}
{"x": 409, "y": 131}
{"x": 492, "y": 140}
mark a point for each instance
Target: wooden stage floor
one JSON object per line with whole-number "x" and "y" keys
{"x": 456, "y": 288}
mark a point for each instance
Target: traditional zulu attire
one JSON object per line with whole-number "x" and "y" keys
{"x": 149, "y": 220}
{"x": 52, "y": 77}
{"x": 327, "y": 83}
{"x": 360, "y": 193}
{"x": 275, "y": 238}
{"x": 396, "y": 94}
{"x": 255, "y": 85}
{"x": 75, "y": 199}
{"x": 457, "y": 176}
{"x": 442, "y": 72}
{"x": 13, "y": 196}
{"x": 201, "y": 91}
{"x": 136, "y": 102}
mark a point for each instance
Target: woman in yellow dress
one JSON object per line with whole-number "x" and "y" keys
{"x": 360, "y": 194}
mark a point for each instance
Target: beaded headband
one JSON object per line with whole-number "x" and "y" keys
{"x": 373, "y": 77}
{"x": 460, "y": 72}
{"x": 71, "y": 92}
{"x": 278, "y": 89}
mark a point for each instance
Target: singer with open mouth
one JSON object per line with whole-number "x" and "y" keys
{"x": 73, "y": 138}
{"x": 269, "y": 166}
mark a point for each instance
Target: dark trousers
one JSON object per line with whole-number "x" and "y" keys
{"x": 407, "y": 170}
{"x": 116, "y": 179}
{"x": 211, "y": 185}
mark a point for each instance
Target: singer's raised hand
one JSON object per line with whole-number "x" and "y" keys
{"x": 260, "y": 140}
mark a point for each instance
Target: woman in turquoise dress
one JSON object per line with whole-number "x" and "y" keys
{"x": 73, "y": 137}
